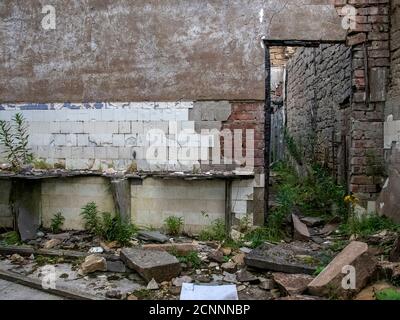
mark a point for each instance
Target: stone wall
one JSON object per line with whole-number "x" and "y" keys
{"x": 318, "y": 86}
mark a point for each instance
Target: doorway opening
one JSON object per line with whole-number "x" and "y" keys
{"x": 307, "y": 109}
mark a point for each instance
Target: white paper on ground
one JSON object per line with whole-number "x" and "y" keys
{"x": 192, "y": 292}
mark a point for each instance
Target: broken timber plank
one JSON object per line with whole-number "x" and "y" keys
{"x": 37, "y": 284}
{"x": 27, "y": 251}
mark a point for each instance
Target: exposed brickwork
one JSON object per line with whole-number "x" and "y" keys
{"x": 318, "y": 87}
{"x": 370, "y": 61}
{"x": 249, "y": 116}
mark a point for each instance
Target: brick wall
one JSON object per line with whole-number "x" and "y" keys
{"x": 318, "y": 86}
{"x": 369, "y": 41}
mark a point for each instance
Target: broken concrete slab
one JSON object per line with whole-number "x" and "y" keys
{"x": 180, "y": 248}
{"x": 300, "y": 230}
{"x": 283, "y": 258}
{"x": 245, "y": 276}
{"x": 150, "y": 264}
{"x": 152, "y": 236}
{"x": 312, "y": 221}
{"x": 59, "y": 236}
{"x": 329, "y": 281}
{"x": 229, "y": 266}
{"x": 116, "y": 266}
{"x": 292, "y": 284}
{"x": 93, "y": 263}
{"x": 178, "y": 282}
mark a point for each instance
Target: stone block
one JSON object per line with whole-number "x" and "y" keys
{"x": 158, "y": 265}
{"x": 329, "y": 281}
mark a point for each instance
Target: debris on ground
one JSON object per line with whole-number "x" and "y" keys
{"x": 152, "y": 236}
{"x": 284, "y": 258}
{"x": 292, "y": 284}
{"x": 329, "y": 281}
{"x": 300, "y": 230}
{"x": 150, "y": 264}
{"x": 93, "y": 263}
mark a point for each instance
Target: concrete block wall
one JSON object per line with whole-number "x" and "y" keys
{"x": 69, "y": 195}
{"x": 6, "y": 218}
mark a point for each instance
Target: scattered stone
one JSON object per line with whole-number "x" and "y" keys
{"x": 369, "y": 292}
{"x": 93, "y": 263}
{"x": 245, "y": 250}
{"x": 245, "y": 276}
{"x": 395, "y": 252}
{"x": 329, "y": 229}
{"x": 239, "y": 259}
{"x": 5, "y": 166}
{"x": 116, "y": 266}
{"x": 152, "y": 285}
{"x": 282, "y": 258}
{"x": 40, "y": 234}
{"x": 268, "y": 284}
{"x": 50, "y": 244}
{"x": 217, "y": 277}
{"x": 17, "y": 259}
{"x": 115, "y": 294}
{"x": 177, "y": 282}
{"x": 254, "y": 293}
{"x": 389, "y": 270}
{"x": 241, "y": 288}
{"x": 229, "y": 266}
{"x": 213, "y": 265}
{"x": 236, "y": 235}
{"x": 216, "y": 256}
{"x": 203, "y": 278}
{"x": 155, "y": 236}
{"x": 150, "y": 264}
{"x": 226, "y": 251}
{"x": 301, "y": 232}
{"x": 212, "y": 244}
{"x": 292, "y": 284}
{"x": 96, "y": 250}
{"x": 176, "y": 291}
{"x": 312, "y": 221}
{"x": 229, "y": 277}
{"x": 301, "y": 298}
{"x": 180, "y": 248}
{"x": 276, "y": 293}
{"x": 132, "y": 297}
{"x": 355, "y": 254}
{"x": 59, "y": 236}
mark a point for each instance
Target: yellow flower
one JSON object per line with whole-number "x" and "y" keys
{"x": 350, "y": 199}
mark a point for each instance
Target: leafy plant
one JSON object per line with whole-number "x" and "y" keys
{"x": 114, "y": 229}
{"x": 108, "y": 227}
{"x": 174, "y": 225}
{"x": 191, "y": 258}
{"x": 216, "y": 231}
{"x": 11, "y": 238}
{"x": 56, "y": 222}
{"x": 89, "y": 214}
{"x": 15, "y": 140}
{"x": 41, "y": 164}
{"x": 368, "y": 225}
{"x": 388, "y": 294}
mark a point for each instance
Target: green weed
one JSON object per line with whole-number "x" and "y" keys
{"x": 174, "y": 225}
{"x": 56, "y": 222}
